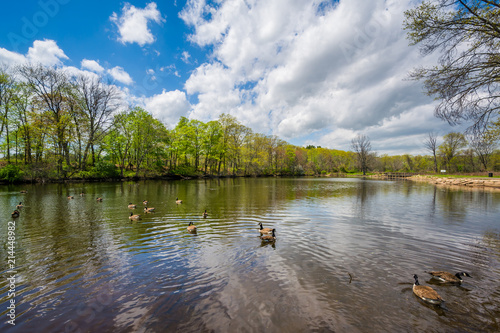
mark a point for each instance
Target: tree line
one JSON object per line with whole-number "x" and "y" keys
{"x": 54, "y": 125}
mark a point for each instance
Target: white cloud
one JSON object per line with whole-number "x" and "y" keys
{"x": 10, "y": 58}
{"x": 46, "y": 52}
{"x": 76, "y": 72}
{"x": 119, "y": 74}
{"x": 168, "y": 106}
{"x": 133, "y": 23}
{"x": 92, "y": 65}
{"x": 307, "y": 70}
{"x": 214, "y": 85}
{"x": 185, "y": 57}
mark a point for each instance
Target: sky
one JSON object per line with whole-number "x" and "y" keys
{"x": 311, "y": 72}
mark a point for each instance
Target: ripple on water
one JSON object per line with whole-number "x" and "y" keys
{"x": 343, "y": 261}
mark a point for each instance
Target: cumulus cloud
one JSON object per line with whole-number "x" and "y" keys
{"x": 168, "y": 106}
{"x": 10, "y": 58}
{"x": 133, "y": 23}
{"x": 74, "y": 72}
{"x": 92, "y": 65}
{"x": 46, "y": 52}
{"x": 308, "y": 70}
{"x": 119, "y": 74}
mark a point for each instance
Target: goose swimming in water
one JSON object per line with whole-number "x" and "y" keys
{"x": 263, "y": 230}
{"x": 269, "y": 238}
{"x": 134, "y": 217}
{"x": 191, "y": 227}
{"x": 426, "y": 293}
{"x": 448, "y": 277}
{"x": 148, "y": 210}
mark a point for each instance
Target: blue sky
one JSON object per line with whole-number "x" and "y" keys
{"x": 308, "y": 71}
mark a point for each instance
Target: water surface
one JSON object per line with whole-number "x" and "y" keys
{"x": 343, "y": 261}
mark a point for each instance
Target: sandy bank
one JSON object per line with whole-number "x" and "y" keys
{"x": 489, "y": 183}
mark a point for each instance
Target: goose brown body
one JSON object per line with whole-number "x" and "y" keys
{"x": 269, "y": 238}
{"x": 15, "y": 213}
{"x": 426, "y": 293}
{"x": 145, "y": 202}
{"x": 148, "y": 210}
{"x": 191, "y": 227}
{"x": 99, "y": 199}
{"x": 70, "y": 197}
{"x": 449, "y": 277}
{"x": 20, "y": 205}
{"x": 263, "y": 230}
{"x": 205, "y": 214}
{"x": 131, "y": 205}
{"x": 134, "y": 217}
{"x": 178, "y": 201}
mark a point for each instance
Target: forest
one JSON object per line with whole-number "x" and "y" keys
{"x": 60, "y": 126}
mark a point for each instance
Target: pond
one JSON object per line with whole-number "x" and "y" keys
{"x": 344, "y": 258}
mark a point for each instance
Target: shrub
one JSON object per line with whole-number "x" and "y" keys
{"x": 184, "y": 170}
{"x": 11, "y": 173}
{"x": 104, "y": 170}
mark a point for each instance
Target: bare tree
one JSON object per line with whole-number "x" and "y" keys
{"x": 466, "y": 80}
{"x": 484, "y": 147}
{"x": 431, "y": 145}
{"x": 361, "y": 146}
{"x": 50, "y": 86}
{"x": 98, "y": 101}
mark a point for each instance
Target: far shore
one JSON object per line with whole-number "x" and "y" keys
{"x": 486, "y": 183}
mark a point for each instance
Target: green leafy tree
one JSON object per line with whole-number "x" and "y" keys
{"x": 451, "y": 146}
{"x": 8, "y": 89}
{"x": 119, "y": 139}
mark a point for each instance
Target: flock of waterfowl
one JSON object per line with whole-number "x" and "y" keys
{"x": 425, "y": 293}
{"x": 431, "y": 296}
{"x": 191, "y": 227}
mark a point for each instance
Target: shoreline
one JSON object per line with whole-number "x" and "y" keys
{"x": 489, "y": 183}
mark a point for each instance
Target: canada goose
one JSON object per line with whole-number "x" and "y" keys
{"x": 145, "y": 202}
{"x": 70, "y": 197}
{"x": 205, "y": 214}
{"x": 148, "y": 210}
{"x": 82, "y": 194}
{"x": 24, "y": 191}
{"x": 264, "y": 230}
{"x": 20, "y": 205}
{"x": 269, "y": 238}
{"x": 15, "y": 213}
{"x": 426, "y": 293}
{"x": 99, "y": 199}
{"x": 448, "y": 277}
{"x": 178, "y": 201}
{"x": 134, "y": 217}
{"x": 131, "y": 205}
{"x": 191, "y": 227}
